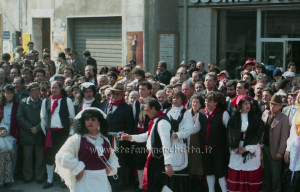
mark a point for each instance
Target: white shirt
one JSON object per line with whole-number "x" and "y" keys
{"x": 225, "y": 119}
{"x": 163, "y": 129}
{"x": 186, "y": 126}
{"x": 236, "y": 160}
{"x": 87, "y": 103}
{"x": 55, "y": 119}
{"x": 292, "y": 145}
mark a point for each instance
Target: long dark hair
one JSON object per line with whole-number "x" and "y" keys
{"x": 79, "y": 124}
{"x": 252, "y": 108}
{"x": 6, "y": 88}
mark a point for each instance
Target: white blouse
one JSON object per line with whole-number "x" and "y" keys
{"x": 55, "y": 119}
{"x": 293, "y": 144}
{"x": 87, "y": 103}
{"x": 163, "y": 129}
{"x": 186, "y": 126}
{"x": 236, "y": 160}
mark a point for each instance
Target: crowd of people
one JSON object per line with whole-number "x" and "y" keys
{"x": 115, "y": 128}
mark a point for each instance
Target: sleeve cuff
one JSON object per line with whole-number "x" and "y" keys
{"x": 134, "y": 137}
{"x": 168, "y": 160}
{"x": 78, "y": 168}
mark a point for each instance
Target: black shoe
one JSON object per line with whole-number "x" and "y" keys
{"x": 63, "y": 185}
{"x": 39, "y": 181}
{"x": 47, "y": 185}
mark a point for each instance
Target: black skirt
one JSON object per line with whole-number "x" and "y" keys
{"x": 180, "y": 181}
{"x": 215, "y": 163}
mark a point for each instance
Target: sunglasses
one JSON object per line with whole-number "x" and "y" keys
{"x": 127, "y": 70}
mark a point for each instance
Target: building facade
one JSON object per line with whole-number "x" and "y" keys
{"x": 224, "y": 32}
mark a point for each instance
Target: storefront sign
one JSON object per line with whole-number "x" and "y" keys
{"x": 166, "y": 49}
{"x": 6, "y": 35}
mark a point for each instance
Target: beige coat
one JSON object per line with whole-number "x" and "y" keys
{"x": 279, "y": 132}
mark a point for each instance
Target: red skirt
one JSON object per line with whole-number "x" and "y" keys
{"x": 244, "y": 180}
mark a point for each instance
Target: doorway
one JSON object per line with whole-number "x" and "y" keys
{"x": 41, "y": 34}
{"x": 278, "y": 53}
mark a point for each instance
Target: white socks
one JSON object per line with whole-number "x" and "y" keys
{"x": 140, "y": 177}
{"x": 222, "y": 182}
{"x": 50, "y": 171}
{"x": 211, "y": 183}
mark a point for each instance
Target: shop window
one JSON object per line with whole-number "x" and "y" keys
{"x": 281, "y": 24}
{"x": 236, "y": 39}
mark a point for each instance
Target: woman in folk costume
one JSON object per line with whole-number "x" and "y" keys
{"x": 214, "y": 152}
{"x": 6, "y": 156}
{"x": 86, "y": 97}
{"x": 195, "y": 160}
{"x": 182, "y": 126}
{"x": 292, "y": 154}
{"x": 86, "y": 159}
{"x": 244, "y": 131}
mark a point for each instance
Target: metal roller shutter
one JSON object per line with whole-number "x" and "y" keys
{"x": 102, "y": 37}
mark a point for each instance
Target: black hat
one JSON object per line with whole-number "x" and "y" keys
{"x": 33, "y": 85}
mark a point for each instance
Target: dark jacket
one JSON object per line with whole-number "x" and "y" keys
{"x": 254, "y": 131}
{"x": 27, "y": 118}
{"x": 22, "y": 95}
{"x": 121, "y": 119}
{"x": 164, "y": 77}
{"x": 90, "y": 61}
{"x": 14, "y": 128}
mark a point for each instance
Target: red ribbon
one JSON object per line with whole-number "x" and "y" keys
{"x": 150, "y": 124}
{"x": 55, "y": 103}
{"x": 145, "y": 172}
{"x": 209, "y": 117}
{"x": 48, "y": 142}
{"x": 116, "y": 103}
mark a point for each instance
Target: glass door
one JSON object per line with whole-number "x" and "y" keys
{"x": 292, "y": 52}
{"x": 272, "y": 56}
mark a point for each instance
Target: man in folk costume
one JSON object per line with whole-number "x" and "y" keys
{"x": 57, "y": 115}
{"x": 158, "y": 142}
{"x": 86, "y": 98}
{"x": 277, "y": 131}
{"x": 120, "y": 120}
{"x": 213, "y": 141}
{"x": 141, "y": 124}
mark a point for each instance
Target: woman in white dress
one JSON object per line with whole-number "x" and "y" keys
{"x": 86, "y": 158}
{"x": 244, "y": 131}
